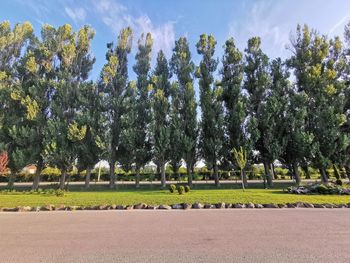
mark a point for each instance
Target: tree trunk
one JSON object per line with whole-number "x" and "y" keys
{"x": 112, "y": 174}
{"x": 296, "y": 173}
{"x": 347, "y": 170}
{"x": 268, "y": 174}
{"x": 336, "y": 173}
{"x": 306, "y": 171}
{"x": 244, "y": 178}
{"x": 324, "y": 177}
{"x": 87, "y": 177}
{"x": 272, "y": 167}
{"x": 162, "y": 176}
{"x": 68, "y": 179}
{"x": 216, "y": 176}
{"x": 11, "y": 181}
{"x": 62, "y": 179}
{"x": 189, "y": 175}
{"x": 137, "y": 178}
{"x": 36, "y": 181}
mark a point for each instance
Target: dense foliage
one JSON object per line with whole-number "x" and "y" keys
{"x": 252, "y": 109}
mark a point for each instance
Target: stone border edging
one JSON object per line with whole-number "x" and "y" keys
{"x": 182, "y": 206}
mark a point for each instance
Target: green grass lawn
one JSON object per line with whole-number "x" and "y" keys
{"x": 152, "y": 195}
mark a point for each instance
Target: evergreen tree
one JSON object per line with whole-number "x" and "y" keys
{"x": 211, "y": 134}
{"x": 318, "y": 67}
{"x": 14, "y": 139}
{"x": 114, "y": 80}
{"x": 160, "y": 112}
{"x": 176, "y": 130}
{"x": 256, "y": 83}
{"x": 273, "y": 113}
{"x": 92, "y": 147}
{"x": 143, "y": 106}
{"x": 182, "y": 65}
{"x": 235, "y": 107}
{"x": 66, "y": 130}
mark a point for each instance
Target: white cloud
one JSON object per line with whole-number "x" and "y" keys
{"x": 76, "y": 14}
{"x": 261, "y": 21}
{"x": 116, "y": 16}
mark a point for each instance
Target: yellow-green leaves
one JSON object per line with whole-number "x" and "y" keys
{"x": 76, "y": 133}
{"x": 109, "y": 71}
{"x": 31, "y": 65}
{"x": 31, "y": 106}
{"x": 125, "y": 39}
{"x": 240, "y": 155}
{"x": 68, "y": 54}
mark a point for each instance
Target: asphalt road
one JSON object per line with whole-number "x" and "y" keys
{"x": 267, "y": 235}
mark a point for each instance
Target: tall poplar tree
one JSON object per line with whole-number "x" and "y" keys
{"x": 231, "y": 82}
{"x": 143, "y": 106}
{"x": 256, "y": 83}
{"x": 183, "y": 67}
{"x": 318, "y": 67}
{"x": 160, "y": 111}
{"x": 113, "y": 83}
{"x": 211, "y": 134}
{"x": 13, "y": 138}
{"x": 75, "y": 64}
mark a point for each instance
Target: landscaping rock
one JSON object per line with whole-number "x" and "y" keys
{"x": 228, "y": 205}
{"x": 289, "y": 205}
{"x": 197, "y": 206}
{"x": 120, "y": 207}
{"x": 10, "y": 209}
{"x": 282, "y": 206}
{"x": 238, "y": 206}
{"x": 140, "y": 206}
{"x": 113, "y": 207}
{"x": 319, "y": 206}
{"x": 24, "y": 209}
{"x": 47, "y": 208}
{"x": 270, "y": 206}
{"x": 299, "y": 205}
{"x": 151, "y": 207}
{"x": 61, "y": 208}
{"x": 207, "y": 206}
{"x": 259, "y": 206}
{"x": 177, "y": 206}
{"x": 308, "y": 205}
{"x": 164, "y": 207}
{"x": 129, "y": 207}
{"x": 220, "y": 205}
{"x": 329, "y": 205}
{"x": 250, "y": 205}
{"x": 186, "y": 206}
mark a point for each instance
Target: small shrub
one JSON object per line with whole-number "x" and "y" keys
{"x": 59, "y": 192}
{"x": 172, "y": 188}
{"x": 187, "y": 188}
{"x": 180, "y": 189}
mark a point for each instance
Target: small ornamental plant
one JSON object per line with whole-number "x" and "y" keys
{"x": 181, "y": 189}
{"x": 187, "y": 188}
{"x": 172, "y": 188}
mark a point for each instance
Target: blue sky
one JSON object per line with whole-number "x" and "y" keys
{"x": 273, "y": 21}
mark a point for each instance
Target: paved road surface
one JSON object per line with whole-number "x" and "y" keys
{"x": 286, "y": 235}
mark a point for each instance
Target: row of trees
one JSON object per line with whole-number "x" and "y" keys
{"x": 294, "y": 110}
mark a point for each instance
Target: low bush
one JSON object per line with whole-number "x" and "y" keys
{"x": 187, "y": 188}
{"x": 319, "y": 188}
{"x": 59, "y": 192}
{"x": 339, "y": 182}
{"x": 172, "y": 188}
{"x": 180, "y": 189}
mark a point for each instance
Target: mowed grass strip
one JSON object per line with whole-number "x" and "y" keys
{"x": 156, "y": 197}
